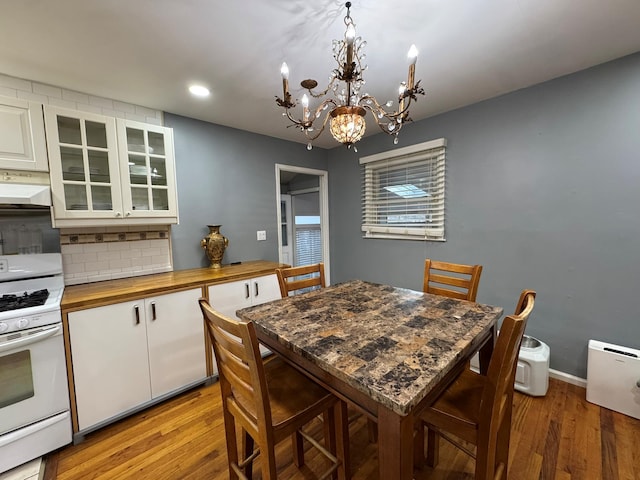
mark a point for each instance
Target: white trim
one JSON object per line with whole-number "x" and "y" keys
{"x": 399, "y": 152}
{"x": 323, "y": 177}
{"x": 568, "y": 378}
{"x": 418, "y": 232}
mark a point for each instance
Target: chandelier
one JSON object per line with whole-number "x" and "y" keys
{"x": 345, "y": 107}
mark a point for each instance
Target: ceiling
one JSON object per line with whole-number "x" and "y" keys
{"x": 147, "y": 52}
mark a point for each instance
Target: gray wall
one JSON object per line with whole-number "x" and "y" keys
{"x": 543, "y": 190}
{"x": 307, "y": 204}
{"x": 227, "y": 177}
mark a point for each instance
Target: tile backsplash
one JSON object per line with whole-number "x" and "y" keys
{"x": 106, "y": 253}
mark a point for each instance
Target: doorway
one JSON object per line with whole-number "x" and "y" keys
{"x": 303, "y": 211}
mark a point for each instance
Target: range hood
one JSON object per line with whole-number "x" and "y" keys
{"x": 25, "y": 194}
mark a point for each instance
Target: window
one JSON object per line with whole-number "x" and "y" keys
{"x": 403, "y": 192}
{"x": 308, "y": 240}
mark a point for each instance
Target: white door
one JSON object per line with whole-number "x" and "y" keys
{"x": 110, "y": 360}
{"x": 22, "y": 138}
{"x": 286, "y": 227}
{"x": 175, "y": 335}
{"x": 33, "y": 377}
{"x": 83, "y": 157}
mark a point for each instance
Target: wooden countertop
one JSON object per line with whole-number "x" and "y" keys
{"x": 96, "y": 294}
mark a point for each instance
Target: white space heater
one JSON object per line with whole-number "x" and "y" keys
{"x": 613, "y": 377}
{"x": 532, "y": 371}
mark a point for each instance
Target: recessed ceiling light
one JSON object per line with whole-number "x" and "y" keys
{"x": 199, "y": 91}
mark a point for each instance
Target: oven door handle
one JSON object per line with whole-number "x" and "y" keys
{"x": 29, "y": 339}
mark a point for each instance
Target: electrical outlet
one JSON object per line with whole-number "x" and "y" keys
{"x": 262, "y": 235}
{"x": 4, "y": 266}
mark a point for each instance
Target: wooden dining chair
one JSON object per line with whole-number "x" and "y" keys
{"x": 270, "y": 401}
{"x": 476, "y": 408}
{"x": 290, "y": 281}
{"x": 454, "y": 280}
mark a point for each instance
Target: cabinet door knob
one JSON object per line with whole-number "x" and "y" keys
{"x": 137, "y": 310}
{"x": 153, "y": 311}
{"x": 128, "y": 214}
{"x": 118, "y": 214}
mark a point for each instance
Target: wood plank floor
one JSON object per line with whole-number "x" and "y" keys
{"x": 560, "y": 436}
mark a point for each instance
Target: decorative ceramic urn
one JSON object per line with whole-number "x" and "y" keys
{"x": 214, "y": 245}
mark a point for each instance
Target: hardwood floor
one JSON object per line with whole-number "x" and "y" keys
{"x": 560, "y": 436}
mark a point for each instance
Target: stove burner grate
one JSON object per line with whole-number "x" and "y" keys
{"x": 15, "y": 302}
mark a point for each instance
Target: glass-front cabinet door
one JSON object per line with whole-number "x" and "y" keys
{"x": 85, "y": 176}
{"x": 106, "y": 171}
{"x": 147, "y": 166}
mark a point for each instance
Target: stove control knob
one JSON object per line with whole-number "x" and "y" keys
{"x": 3, "y": 327}
{"x": 23, "y": 322}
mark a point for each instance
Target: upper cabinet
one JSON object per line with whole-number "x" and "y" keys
{"x": 22, "y": 140}
{"x": 106, "y": 171}
{"x": 148, "y": 169}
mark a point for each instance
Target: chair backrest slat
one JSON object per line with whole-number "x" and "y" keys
{"x": 454, "y": 280}
{"x": 446, "y": 292}
{"x": 289, "y": 281}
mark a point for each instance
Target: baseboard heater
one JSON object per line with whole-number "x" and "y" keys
{"x": 613, "y": 377}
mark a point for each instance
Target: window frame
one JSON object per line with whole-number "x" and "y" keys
{"x": 433, "y": 152}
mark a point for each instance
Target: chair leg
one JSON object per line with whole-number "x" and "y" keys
{"x": 418, "y": 445}
{"x": 342, "y": 440}
{"x": 247, "y": 450}
{"x": 232, "y": 443}
{"x": 372, "y": 428}
{"x": 298, "y": 449}
{"x": 268, "y": 462}
{"x": 433, "y": 447}
{"x": 329, "y": 428}
{"x": 329, "y": 419}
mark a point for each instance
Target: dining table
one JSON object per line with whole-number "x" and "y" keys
{"x": 387, "y": 351}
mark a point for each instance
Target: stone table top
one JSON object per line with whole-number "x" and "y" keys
{"x": 390, "y": 343}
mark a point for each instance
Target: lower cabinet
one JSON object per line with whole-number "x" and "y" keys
{"x": 228, "y": 297}
{"x": 126, "y": 354}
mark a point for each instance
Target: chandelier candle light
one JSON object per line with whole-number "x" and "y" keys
{"x": 348, "y": 106}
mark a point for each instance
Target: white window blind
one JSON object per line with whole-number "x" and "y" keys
{"x": 403, "y": 192}
{"x": 308, "y": 245}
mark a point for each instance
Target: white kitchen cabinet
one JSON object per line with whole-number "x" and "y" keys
{"x": 147, "y": 170}
{"x": 226, "y": 298}
{"x": 108, "y": 171}
{"x": 22, "y": 137}
{"x": 127, "y": 354}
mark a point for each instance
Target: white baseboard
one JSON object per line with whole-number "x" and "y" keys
{"x": 565, "y": 377}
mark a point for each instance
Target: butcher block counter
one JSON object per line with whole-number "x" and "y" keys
{"x": 113, "y": 291}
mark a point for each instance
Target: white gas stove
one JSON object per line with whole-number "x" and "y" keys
{"x": 31, "y": 288}
{"x": 34, "y": 399}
